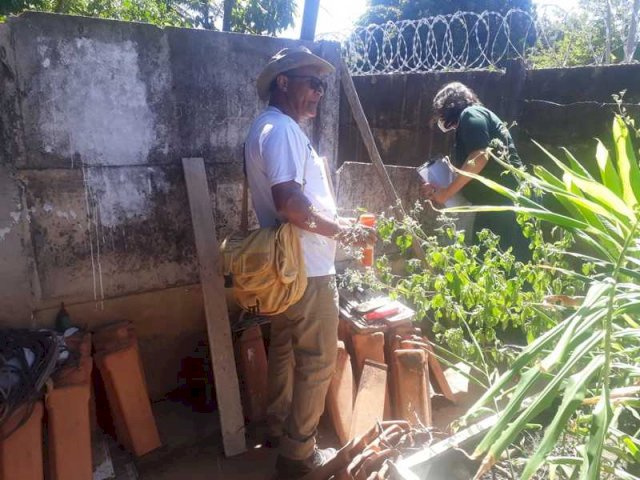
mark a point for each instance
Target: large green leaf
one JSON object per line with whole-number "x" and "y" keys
{"x": 542, "y": 400}
{"x": 596, "y": 295}
{"x": 595, "y": 190}
{"x": 573, "y": 396}
{"x": 560, "y": 194}
{"x": 572, "y": 340}
{"x": 628, "y": 169}
{"x": 585, "y": 318}
{"x": 528, "y": 380}
{"x": 576, "y": 166}
{"x": 601, "y": 419}
{"x": 608, "y": 172}
{"x": 604, "y": 243}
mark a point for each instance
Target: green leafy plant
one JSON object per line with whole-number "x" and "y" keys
{"x": 587, "y": 365}
{"x": 475, "y": 297}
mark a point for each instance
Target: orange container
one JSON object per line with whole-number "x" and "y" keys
{"x": 368, "y": 220}
{"x": 252, "y": 370}
{"x": 21, "y": 452}
{"x": 69, "y": 433}
{"x": 128, "y": 399}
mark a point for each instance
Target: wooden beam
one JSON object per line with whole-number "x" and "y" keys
{"x": 309, "y": 20}
{"x": 215, "y": 307}
{"x": 369, "y": 142}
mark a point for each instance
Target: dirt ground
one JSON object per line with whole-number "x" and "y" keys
{"x": 193, "y": 446}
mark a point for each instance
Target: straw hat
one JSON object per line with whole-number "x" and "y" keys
{"x": 285, "y": 60}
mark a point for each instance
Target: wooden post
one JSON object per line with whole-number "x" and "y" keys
{"x": 215, "y": 307}
{"x": 374, "y": 154}
{"x": 309, "y": 20}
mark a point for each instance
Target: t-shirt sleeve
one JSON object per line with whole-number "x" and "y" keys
{"x": 283, "y": 151}
{"x": 474, "y": 130}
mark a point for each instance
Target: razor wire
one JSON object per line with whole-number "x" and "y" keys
{"x": 552, "y": 37}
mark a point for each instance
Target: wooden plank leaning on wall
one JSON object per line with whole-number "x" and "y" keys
{"x": 215, "y": 307}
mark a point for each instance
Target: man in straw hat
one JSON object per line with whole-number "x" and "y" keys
{"x": 289, "y": 183}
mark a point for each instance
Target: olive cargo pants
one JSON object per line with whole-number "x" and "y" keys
{"x": 302, "y": 356}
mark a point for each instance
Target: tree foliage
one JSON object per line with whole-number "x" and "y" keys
{"x": 599, "y": 31}
{"x": 261, "y": 17}
{"x": 380, "y": 11}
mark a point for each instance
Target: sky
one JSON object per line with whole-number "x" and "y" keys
{"x": 336, "y": 16}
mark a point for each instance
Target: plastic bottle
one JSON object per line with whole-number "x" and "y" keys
{"x": 368, "y": 220}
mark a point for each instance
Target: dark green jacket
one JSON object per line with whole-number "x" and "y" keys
{"x": 478, "y": 129}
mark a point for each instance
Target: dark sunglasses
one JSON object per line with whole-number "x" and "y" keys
{"x": 314, "y": 82}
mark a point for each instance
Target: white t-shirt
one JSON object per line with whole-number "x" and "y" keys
{"x": 278, "y": 151}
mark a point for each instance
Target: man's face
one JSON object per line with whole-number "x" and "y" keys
{"x": 305, "y": 88}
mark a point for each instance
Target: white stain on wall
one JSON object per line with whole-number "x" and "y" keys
{"x": 97, "y": 102}
{"x": 70, "y": 215}
{"x": 122, "y": 195}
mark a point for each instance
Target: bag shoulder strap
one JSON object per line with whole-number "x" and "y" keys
{"x": 244, "y": 214}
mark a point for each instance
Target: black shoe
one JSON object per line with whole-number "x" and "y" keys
{"x": 290, "y": 469}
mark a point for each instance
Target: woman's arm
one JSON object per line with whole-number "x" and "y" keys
{"x": 475, "y": 163}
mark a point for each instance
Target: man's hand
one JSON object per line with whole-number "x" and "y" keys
{"x": 436, "y": 194}
{"x": 356, "y": 235}
{"x": 346, "y": 221}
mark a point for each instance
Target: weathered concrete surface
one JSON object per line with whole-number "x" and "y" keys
{"x": 96, "y": 235}
{"x": 18, "y": 287}
{"x": 95, "y": 116}
{"x": 169, "y": 323}
{"x": 567, "y": 107}
{"x": 359, "y": 187}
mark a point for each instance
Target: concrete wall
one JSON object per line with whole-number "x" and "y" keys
{"x": 567, "y": 107}
{"x": 95, "y": 116}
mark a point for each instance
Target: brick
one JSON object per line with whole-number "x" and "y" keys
{"x": 21, "y": 452}
{"x": 370, "y": 346}
{"x": 252, "y": 370}
{"x": 128, "y": 399}
{"x": 112, "y": 336}
{"x": 367, "y": 346}
{"x": 69, "y": 433}
{"x": 370, "y": 400}
{"x": 340, "y": 395}
{"x": 437, "y": 376}
{"x": 394, "y": 344}
{"x": 413, "y": 386}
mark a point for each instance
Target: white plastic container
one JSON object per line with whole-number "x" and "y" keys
{"x": 438, "y": 172}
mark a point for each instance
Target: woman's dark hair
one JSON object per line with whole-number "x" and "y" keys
{"x": 451, "y": 100}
